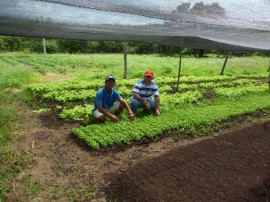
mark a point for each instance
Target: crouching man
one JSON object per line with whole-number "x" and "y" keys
{"x": 143, "y": 92}
{"x": 109, "y": 103}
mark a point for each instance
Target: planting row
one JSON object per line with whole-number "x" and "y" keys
{"x": 97, "y": 83}
{"x": 187, "y": 119}
{"x": 168, "y": 101}
{"x": 219, "y": 89}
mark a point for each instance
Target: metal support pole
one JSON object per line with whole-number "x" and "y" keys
{"x": 225, "y": 62}
{"x": 44, "y": 49}
{"x": 179, "y": 70}
{"x": 125, "y": 60}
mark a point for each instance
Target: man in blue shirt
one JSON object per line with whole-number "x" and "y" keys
{"x": 143, "y": 92}
{"x": 109, "y": 103}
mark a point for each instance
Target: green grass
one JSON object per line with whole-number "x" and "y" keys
{"x": 11, "y": 162}
{"x": 33, "y": 189}
{"x": 82, "y": 194}
{"x": 168, "y": 66}
{"x": 7, "y": 117}
{"x": 12, "y": 75}
{"x": 87, "y": 66}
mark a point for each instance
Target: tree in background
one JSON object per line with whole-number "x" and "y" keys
{"x": 36, "y": 45}
{"x": 201, "y": 9}
{"x": 2, "y": 43}
{"x": 142, "y": 48}
{"x": 10, "y": 44}
{"x": 72, "y": 46}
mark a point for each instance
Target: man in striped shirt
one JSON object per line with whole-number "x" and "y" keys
{"x": 143, "y": 92}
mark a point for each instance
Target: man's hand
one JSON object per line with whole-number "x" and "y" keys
{"x": 131, "y": 116}
{"x": 147, "y": 105}
{"x": 157, "y": 112}
{"x": 141, "y": 99}
{"x": 113, "y": 118}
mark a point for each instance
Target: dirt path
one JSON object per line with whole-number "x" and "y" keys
{"x": 170, "y": 168}
{"x": 230, "y": 167}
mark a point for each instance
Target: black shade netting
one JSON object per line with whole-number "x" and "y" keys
{"x": 204, "y": 24}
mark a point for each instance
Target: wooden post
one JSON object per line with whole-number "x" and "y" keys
{"x": 179, "y": 69}
{"x": 125, "y": 60}
{"x": 269, "y": 72}
{"x": 44, "y": 49}
{"x": 269, "y": 77}
{"x": 225, "y": 62}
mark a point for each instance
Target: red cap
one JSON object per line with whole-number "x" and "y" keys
{"x": 149, "y": 73}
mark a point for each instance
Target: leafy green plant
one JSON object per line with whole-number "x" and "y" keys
{"x": 186, "y": 118}
{"x": 77, "y": 113}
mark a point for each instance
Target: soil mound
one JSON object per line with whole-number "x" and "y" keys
{"x": 230, "y": 167}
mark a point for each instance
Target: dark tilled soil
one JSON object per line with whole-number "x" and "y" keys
{"x": 230, "y": 167}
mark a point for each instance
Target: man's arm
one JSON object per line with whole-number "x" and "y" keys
{"x": 109, "y": 115}
{"x": 157, "y": 102}
{"x": 130, "y": 113}
{"x": 141, "y": 99}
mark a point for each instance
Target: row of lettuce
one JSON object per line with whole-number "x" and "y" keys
{"x": 97, "y": 83}
{"x": 201, "y": 102}
{"x": 83, "y": 112}
{"x": 89, "y": 94}
{"x": 188, "y": 119}
{"x": 71, "y": 91}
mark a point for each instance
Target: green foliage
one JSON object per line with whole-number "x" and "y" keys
{"x": 79, "y": 194}
{"x": 33, "y": 189}
{"x": 7, "y": 116}
{"x": 2, "y": 43}
{"x": 236, "y": 92}
{"x": 72, "y": 46}
{"x": 99, "y": 65}
{"x": 8, "y": 43}
{"x": 12, "y": 163}
{"x": 51, "y": 46}
{"x": 13, "y": 43}
{"x": 185, "y": 118}
{"x": 13, "y": 75}
{"x": 77, "y": 113}
{"x": 70, "y": 95}
{"x": 187, "y": 122}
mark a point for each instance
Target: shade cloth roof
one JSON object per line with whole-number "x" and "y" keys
{"x": 205, "y": 24}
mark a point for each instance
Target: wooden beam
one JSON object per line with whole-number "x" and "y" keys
{"x": 179, "y": 70}
{"x": 125, "y": 60}
{"x": 44, "y": 49}
{"x": 225, "y": 62}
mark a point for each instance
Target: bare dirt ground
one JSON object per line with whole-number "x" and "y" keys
{"x": 233, "y": 165}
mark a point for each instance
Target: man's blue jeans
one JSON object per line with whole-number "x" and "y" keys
{"x": 135, "y": 104}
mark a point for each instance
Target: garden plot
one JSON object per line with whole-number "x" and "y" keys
{"x": 190, "y": 111}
